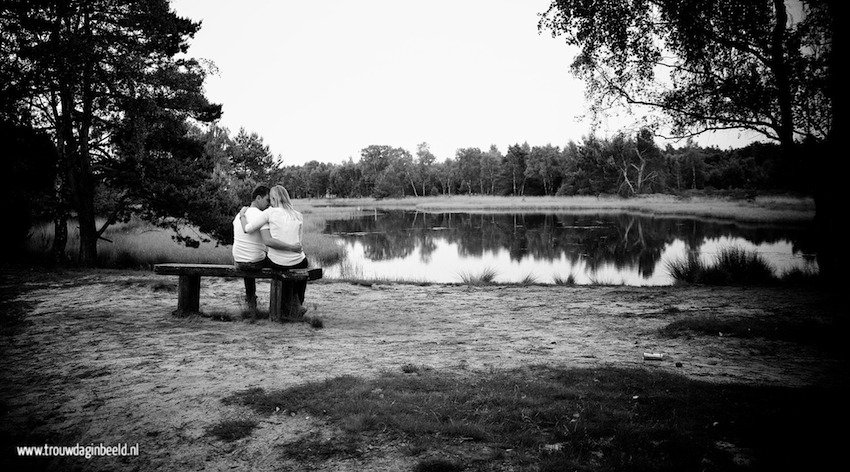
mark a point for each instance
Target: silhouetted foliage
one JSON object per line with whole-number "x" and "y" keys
{"x": 88, "y": 71}
{"x": 26, "y": 182}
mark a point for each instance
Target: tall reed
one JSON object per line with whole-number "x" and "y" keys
{"x": 732, "y": 266}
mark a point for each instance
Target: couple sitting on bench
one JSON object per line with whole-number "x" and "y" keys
{"x": 268, "y": 234}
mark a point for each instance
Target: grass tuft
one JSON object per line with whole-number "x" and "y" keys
{"x": 529, "y": 279}
{"x": 732, "y": 266}
{"x": 486, "y": 277}
{"x": 569, "y": 280}
{"x": 686, "y": 270}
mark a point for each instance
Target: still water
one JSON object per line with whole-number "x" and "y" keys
{"x": 601, "y": 248}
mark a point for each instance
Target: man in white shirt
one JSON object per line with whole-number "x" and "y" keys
{"x": 249, "y": 249}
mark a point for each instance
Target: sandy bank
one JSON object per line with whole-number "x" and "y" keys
{"x": 100, "y": 359}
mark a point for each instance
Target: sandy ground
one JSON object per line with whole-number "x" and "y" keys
{"x": 100, "y": 358}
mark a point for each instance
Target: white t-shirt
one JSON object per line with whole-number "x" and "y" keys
{"x": 248, "y": 247}
{"x": 284, "y": 225}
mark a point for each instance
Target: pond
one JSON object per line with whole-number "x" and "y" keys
{"x": 594, "y": 248}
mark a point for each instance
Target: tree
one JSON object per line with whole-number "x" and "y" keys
{"x": 770, "y": 66}
{"x": 641, "y": 165}
{"x": 447, "y": 173}
{"x": 708, "y": 65}
{"x": 250, "y": 157}
{"x": 161, "y": 172}
{"x": 491, "y": 162}
{"x": 469, "y": 167}
{"x": 29, "y": 162}
{"x": 686, "y": 166}
{"x": 80, "y": 71}
{"x": 514, "y": 167}
{"x": 543, "y": 163}
{"x": 590, "y": 168}
{"x": 424, "y": 165}
{"x": 344, "y": 180}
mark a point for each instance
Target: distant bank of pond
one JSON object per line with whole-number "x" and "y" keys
{"x": 593, "y": 248}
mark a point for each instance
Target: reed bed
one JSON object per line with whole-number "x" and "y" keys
{"x": 767, "y": 209}
{"x": 735, "y": 266}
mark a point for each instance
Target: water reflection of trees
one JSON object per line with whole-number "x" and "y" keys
{"x": 624, "y": 241}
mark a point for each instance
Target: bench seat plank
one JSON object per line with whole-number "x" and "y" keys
{"x": 227, "y": 270}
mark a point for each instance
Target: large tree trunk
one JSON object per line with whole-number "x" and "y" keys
{"x": 84, "y": 178}
{"x": 783, "y": 81}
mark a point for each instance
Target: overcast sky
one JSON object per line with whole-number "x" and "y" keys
{"x": 322, "y": 80}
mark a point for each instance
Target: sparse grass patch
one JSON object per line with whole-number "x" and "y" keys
{"x": 529, "y": 279}
{"x": 595, "y": 279}
{"x": 569, "y": 280}
{"x": 437, "y": 465}
{"x": 164, "y": 287}
{"x": 487, "y": 276}
{"x": 231, "y": 430}
{"x": 219, "y": 315}
{"x": 313, "y": 447}
{"x": 572, "y": 419}
{"x": 385, "y": 280}
{"x": 809, "y": 331}
{"x": 254, "y": 313}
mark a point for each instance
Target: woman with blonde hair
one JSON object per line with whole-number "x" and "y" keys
{"x": 285, "y": 225}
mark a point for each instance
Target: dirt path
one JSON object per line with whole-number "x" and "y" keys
{"x": 100, "y": 359}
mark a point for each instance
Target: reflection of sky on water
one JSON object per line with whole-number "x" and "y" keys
{"x": 445, "y": 264}
{"x": 445, "y": 259}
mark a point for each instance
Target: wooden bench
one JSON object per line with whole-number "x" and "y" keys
{"x": 283, "y": 299}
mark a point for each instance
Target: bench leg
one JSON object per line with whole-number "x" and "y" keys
{"x": 188, "y": 295}
{"x": 283, "y": 301}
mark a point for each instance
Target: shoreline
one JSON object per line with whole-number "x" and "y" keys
{"x": 762, "y": 209}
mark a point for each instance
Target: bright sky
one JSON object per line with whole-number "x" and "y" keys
{"x": 322, "y": 80}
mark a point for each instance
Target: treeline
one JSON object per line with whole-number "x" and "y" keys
{"x": 623, "y": 165}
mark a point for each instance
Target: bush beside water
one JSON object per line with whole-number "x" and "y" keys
{"x": 734, "y": 266}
